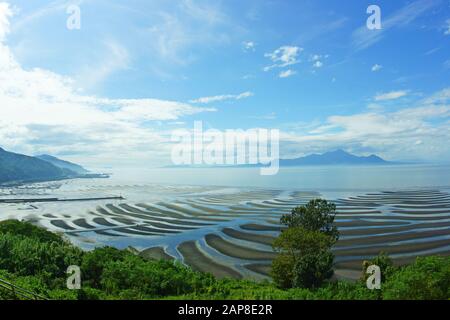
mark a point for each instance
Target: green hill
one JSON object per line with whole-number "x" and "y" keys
{"x": 16, "y": 167}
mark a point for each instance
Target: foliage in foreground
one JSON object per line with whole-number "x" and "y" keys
{"x": 36, "y": 260}
{"x": 304, "y": 256}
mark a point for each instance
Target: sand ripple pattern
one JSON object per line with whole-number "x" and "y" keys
{"x": 229, "y": 233}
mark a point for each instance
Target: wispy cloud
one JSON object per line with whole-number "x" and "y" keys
{"x": 175, "y": 30}
{"x": 376, "y": 67}
{"x": 317, "y": 60}
{"x": 283, "y": 57}
{"x": 393, "y": 95}
{"x": 248, "y": 76}
{"x": 319, "y": 29}
{"x": 204, "y": 11}
{"x": 114, "y": 57}
{"x": 223, "y": 97}
{"x": 287, "y": 73}
{"x": 447, "y": 64}
{"x": 249, "y": 46}
{"x": 439, "y": 98}
{"x": 44, "y": 11}
{"x": 363, "y": 38}
{"x": 5, "y": 14}
{"x": 447, "y": 27}
{"x": 318, "y": 64}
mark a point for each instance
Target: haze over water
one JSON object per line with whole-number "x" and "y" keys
{"x": 318, "y": 178}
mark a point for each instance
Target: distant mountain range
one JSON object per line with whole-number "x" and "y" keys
{"x": 19, "y": 168}
{"x": 338, "y": 157}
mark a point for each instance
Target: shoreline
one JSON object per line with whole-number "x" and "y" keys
{"x": 18, "y": 183}
{"x": 59, "y": 200}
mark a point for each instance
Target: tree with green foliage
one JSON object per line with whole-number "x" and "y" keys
{"x": 312, "y": 269}
{"x": 304, "y": 256}
{"x": 304, "y": 259}
{"x": 316, "y": 215}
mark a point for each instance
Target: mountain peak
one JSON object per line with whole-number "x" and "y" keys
{"x": 338, "y": 151}
{"x": 337, "y": 157}
{"x": 45, "y": 156}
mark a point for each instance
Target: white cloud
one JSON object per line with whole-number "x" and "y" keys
{"x": 317, "y": 60}
{"x": 171, "y": 30}
{"x": 283, "y": 57}
{"x": 223, "y": 97}
{"x": 441, "y": 97}
{"x": 5, "y": 13}
{"x": 178, "y": 27}
{"x": 286, "y": 74}
{"x": 391, "y": 95}
{"x": 447, "y": 27}
{"x": 204, "y": 11}
{"x": 376, "y": 67}
{"x": 363, "y": 38}
{"x": 44, "y": 11}
{"x": 249, "y": 46}
{"x": 318, "y": 64}
{"x": 393, "y": 135}
{"x": 43, "y": 111}
{"x": 431, "y": 51}
{"x": 248, "y": 76}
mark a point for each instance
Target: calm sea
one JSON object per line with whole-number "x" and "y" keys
{"x": 324, "y": 178}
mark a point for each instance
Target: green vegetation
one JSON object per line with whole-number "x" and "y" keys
{"x": 305, "y": 259}
{"x": 18, "y": 167}
{"x": 36, "y": 260}
{"x": 316, "y": 215}
{"x": 384, "y": 262}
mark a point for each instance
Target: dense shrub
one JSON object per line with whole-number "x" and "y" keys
{"x": 384, "y": 262}
{"x": 28, "y": 256}
{"x": 94, "y": 263}
{"x": 29, "y": 231}
{"x": 426, "y": 279}
{"x": 151, "y": 278}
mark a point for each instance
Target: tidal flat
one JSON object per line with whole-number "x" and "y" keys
{"x": 228, "y": 231}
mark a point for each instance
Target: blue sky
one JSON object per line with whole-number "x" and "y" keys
{"x": 113, "y": 90}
